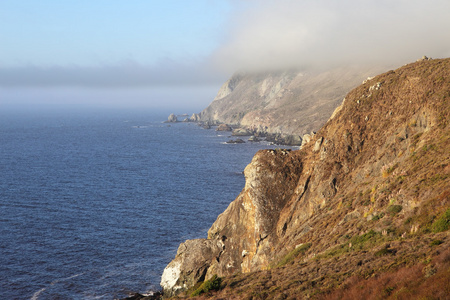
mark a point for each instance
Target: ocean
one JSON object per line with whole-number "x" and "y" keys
{"x": 93, "y": 204}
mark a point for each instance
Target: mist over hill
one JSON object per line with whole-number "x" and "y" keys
{"x": 287, "y": 103}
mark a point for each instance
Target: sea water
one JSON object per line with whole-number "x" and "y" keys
{"x": 93, "y": 205}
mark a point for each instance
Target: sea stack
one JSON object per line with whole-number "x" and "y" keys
{"x": 172, "y": 118}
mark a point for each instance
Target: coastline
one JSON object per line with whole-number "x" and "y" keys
{"x": 236, "y": 130}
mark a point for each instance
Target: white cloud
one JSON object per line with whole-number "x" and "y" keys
{"x": 283, "y": 33}
{"x": 276, "y": 34}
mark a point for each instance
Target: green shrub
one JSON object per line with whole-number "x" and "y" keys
{"x": 442, "y": 223}
{"x": 358, "y": 242}
{"x": 362, "y": 239}
{"x": 388, "y": 290}
{"x": 377, "y": 217}
{"x": 384, "y": 251}
{"x": 293, "y": 254}
{"x": 436, "y": 242}
{"x": 209, "y": 285}
{"x": 394, "y": 209}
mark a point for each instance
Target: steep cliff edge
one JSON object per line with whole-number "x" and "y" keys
{"x": 288, "y": 103}
{"x": 369, "y": 193}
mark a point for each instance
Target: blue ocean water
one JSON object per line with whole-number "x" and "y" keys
{"x": 93, "y": 205}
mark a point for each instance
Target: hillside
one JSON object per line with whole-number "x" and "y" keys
{"x": 362, "y": 209}
{"x": 287, "y": 103}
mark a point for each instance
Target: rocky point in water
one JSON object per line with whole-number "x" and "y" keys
{"x": 236, "y": 141}
{"x": 253, "y": 139}
{"x": 194, "y": 118}
{"x": 241, "y": 132}
{"x": 224, "y": 127}
{"x": 172, "y": 118}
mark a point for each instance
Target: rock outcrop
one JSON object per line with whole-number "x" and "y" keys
{"x": 194, "y": 118}
{"x": 172, "y": 118}
{"x": 236, "y": 141}
{"x": 191, "y": 265}
{"x": 364, "y": 188}
{"x": 241, "y": 132}
{"x": 224, "y": 127}
{"x": 253, "y": 139}
{"x": 283, "y": 103}
{"x": 236, "y": 240}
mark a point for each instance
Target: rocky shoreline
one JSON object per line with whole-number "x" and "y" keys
{"x": 149, "y": 296}
{"x": 254, "y": 135}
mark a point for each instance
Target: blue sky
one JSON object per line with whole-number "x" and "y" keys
{"x": 53, "y": 32}
{"x": 59, "y": 52}
{"x": 176, "y": 53}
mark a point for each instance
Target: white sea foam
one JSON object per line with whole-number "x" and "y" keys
{"x": 36, "y": 294}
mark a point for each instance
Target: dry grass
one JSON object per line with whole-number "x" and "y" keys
{"x": 422, "y": 281}
{"x": 377, "y": 199}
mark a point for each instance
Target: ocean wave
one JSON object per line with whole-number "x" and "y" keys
{"x": 36, "y": 294}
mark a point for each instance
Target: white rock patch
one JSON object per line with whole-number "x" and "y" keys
{"x": 170, "y": 276}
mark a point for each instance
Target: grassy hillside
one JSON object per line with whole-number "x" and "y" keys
{"x": 369, "y": 214}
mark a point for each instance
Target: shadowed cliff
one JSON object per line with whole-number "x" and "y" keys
{"x": 368, "y": 194}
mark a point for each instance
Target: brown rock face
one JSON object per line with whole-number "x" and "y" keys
{"x": 248, "y": 224}
{"x": 239, "y": 239}
{"x": 378, "y": 168}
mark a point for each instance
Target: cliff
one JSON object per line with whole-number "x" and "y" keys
{"x": 368, "y": 194}
{"x": 287, "y": 103}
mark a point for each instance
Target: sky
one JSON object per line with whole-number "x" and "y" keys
{"x": 176, "y": 54}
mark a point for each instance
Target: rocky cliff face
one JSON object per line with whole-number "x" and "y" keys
{"x": 375, "y": 179}
{"x": 291, "y": 103}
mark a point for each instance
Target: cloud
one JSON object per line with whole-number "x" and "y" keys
{"x": 275, "y": 34}
{"x": 128, "y": 74}
{"x": 176, "y": 98}
{"x": 285, "y": 34}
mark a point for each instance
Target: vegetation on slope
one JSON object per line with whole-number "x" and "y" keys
{"x": 377, "y": 199}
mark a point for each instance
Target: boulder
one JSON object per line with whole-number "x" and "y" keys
{"x": 194, "y": 118}
{"x": 241, "y": 132}
{"x": 318, "y": 144}
{"x": 205, "y": 125}
{"x": 172, "y": 118}
{"x": 293, "y": 140}
{"x": 282, "y": 139}
{"x": 147, "y": 296}
{"x": 224, "y": 127}
{"x": 253, "y": 139}
{"x": 236, "y": 141}
{"x": 424, "y": 58}
{"x": 306, "y": 138}
{"x": 190, "y": 265}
